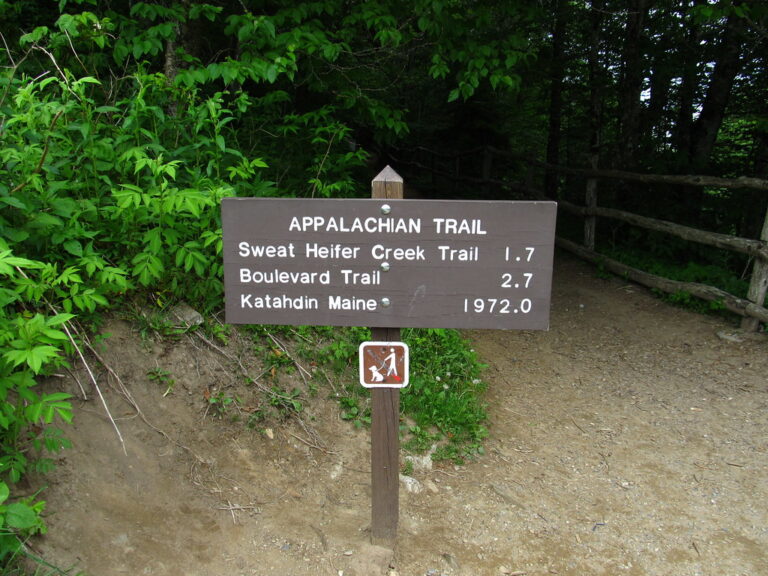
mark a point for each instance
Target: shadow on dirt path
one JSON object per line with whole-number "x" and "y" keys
{"x": 631, "y": 438}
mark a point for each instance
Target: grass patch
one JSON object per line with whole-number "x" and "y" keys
{"x": 441, "y": 406}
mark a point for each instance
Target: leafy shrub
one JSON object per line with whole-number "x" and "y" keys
{"x": 111, "y": 186}
{"x": 31, "y": 344}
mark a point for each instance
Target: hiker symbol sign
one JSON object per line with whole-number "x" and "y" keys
{"x": 384, "y": 364}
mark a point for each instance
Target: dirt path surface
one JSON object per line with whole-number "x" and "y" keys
{"x": 632, "y": 438}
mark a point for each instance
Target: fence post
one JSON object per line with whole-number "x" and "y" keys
{"x": 759, "y": 283}
{"x": 590, "y": 220}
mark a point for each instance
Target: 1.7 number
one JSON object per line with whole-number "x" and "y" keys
{"x": 529, "y": 250}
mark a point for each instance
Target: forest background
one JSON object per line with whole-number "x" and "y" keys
{"x": 123, "y": 125}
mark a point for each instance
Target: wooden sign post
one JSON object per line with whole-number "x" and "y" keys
{"x": 388, "y": 263}
{"x": 385, "y": 415}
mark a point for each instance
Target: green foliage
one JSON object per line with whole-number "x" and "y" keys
{"x": 18, "y": 521}
{"x": 443, "y": 400}
{"x": 342, "y": 347}
{"x": 103, "y": 190}
{"x": 31, "y": 344}
{"x": 663, "y": 264}
{"x": 220, "y": 403}
{"x": 163, "y": 378}
{"x": 275, "y": 359}
{"x": 476, "y": 53}
{"x": 286, "y": 403}
{"x": 351, "y": 411}
{"x": 445, "y": 394}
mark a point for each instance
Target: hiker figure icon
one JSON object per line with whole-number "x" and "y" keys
{"x": 391, "y": 359}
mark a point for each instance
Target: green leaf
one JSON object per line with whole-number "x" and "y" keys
{"x": 74, "y": 247}
{"x": 7, "y": 297}
{"x": 272, "y": 74}
{"x": 147, "y": 267}
{"x": 33, "y": 357}
{"x": 58, "y": 319}
{"x": 44, "y": 219}
{"x": 20, "y": 516}
{"x": 8, "y": 262}
{"x": 35, "y": 36}
{"x": 13, "y": 201}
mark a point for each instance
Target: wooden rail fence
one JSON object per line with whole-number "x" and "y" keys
{"x": 476, "y": 167}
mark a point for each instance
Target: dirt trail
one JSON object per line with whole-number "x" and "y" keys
{"x": 629, "y": 439}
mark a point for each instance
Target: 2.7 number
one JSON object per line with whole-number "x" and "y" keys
{"x": 506, "y": 280}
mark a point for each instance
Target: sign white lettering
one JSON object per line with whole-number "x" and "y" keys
{"x": 399, "y": 263}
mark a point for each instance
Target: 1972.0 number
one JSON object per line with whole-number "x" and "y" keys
{"x": 496, "y": 305}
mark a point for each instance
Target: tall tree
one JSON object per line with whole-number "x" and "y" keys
{"x": 632, "y": 74}
{"x": 727, "y": 64}
{"x": 688, "y": 58}
{"x": 596, "y": 82}
{"x": 557, "y": 78}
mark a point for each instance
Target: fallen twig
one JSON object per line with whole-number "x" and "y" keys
{"x": 95, "y": 383}
{"x": 311, "y": 444}
{"x": 238, "y": 508}
{"x": 577, "y": 426}
{"x": 233, "y": 508}
{"x": 330, "y": 382}
{"x": 74, "y": 377}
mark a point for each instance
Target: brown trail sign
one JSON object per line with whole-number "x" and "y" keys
{"x": 388, "y": 263}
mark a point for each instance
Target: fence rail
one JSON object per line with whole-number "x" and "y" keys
{"x": 752, "y": 309}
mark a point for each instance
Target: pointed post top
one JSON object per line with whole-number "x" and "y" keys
{"x": 388, "y": 175}
{"x": 388, "y": 184}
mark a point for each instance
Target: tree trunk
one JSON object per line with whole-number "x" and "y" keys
{"x": 631, "y": 82}
{"x": 596, "y": 79}
{"x": 557, "y": 73}
{"x": 171, "y": 65}
{"x": 595, "y": 117}
{"x": 688, "y": 84}
{"x": 707, "y": 125}
{"x": 664, "y": 65}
